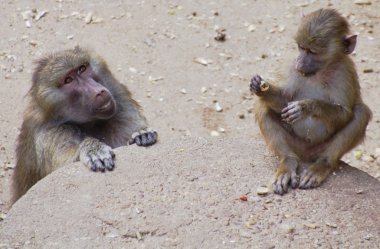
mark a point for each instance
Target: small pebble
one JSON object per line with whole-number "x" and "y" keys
{"x": 171, "y": 12}
{"x": 224, "y": 55}
{"x": 10, "y": 166}
{"x": 333, "y": 225}
{"x": 311, "y": 225}
{"x": 33, "y": 43}
{"x": 251, "y": 28}
{"x": 88, "y": 18}
{"x": 368, "y": 70}
{"x": 97, "y": 20}
{"x": 218, "y": 108}
{"x": 262, "y": 190}
{"x": 288, "y": 228}
{"x": 241, "y": 115}
{"x": 305, "y": 4}
{"x": 214, "y": 134}
{"x": 358, "y": 154}
{"x": 362, "y": 2}
{"x": 281, "y": 28}
{"x": 250, "y": 223}
{"x": 220, "y": 36}
{"x": 132, "y": 70}
{"x": 40, "y": 15}
{"x": 138, "y": 210}
{"x": 359, "y": 191}
{"x": 243, "y": 198}
{"x": 368, "y": 237}
{"x": 202, "y": 61}
{"x": 2, "y": 216}
{"x": 152, "y": 79}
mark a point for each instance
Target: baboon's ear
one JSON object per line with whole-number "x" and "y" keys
{"x": 349, "y": 43}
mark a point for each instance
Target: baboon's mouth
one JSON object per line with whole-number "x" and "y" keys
{"x": 106, "y": 106}
{"x": 107, "y": 110}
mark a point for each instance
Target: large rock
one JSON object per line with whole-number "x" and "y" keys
{"x": 185, "y": 194}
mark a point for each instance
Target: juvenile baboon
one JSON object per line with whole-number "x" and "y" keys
{"x": 318, "y": 115}
{"x": 77, "y": 111}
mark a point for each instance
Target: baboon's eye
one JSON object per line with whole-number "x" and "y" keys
{"x": 307, "y": 50}
{"x": 81, "y": 69}
{"x": 68, "y": 80}
{"x": 311, "y": 51}
{"x": 300, "y": 47}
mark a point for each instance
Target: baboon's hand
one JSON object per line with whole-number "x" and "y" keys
{"x": 96, "y": 155}
{"x": 258, "y": 86}
{"x": 144, "y": 137}
{"x": 295, "y": 110}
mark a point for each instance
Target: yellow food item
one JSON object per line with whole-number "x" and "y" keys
{"x": 264, "y": 86}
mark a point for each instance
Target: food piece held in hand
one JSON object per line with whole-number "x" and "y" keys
{"x": 264, "y": 86}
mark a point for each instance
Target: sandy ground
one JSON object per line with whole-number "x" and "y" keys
{"x": 152, "y": 46}
{"x": 192, "y": 198}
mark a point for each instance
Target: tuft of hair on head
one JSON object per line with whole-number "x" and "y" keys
{"x": 322, "y": 28}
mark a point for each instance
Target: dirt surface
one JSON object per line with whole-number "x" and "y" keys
{"x": 155, "y": 47}
{"x": 191, "y": 198}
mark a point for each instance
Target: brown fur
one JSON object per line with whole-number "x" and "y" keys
{"x": 50, "y": 138}
{"x": 319, "y": 114}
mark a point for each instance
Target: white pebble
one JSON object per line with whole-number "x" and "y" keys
{"x": 132, "y": 70}
{"x": 40, "y": 15}
{"x": 262, "y": 190}
{"x": 251, "y": 28}
{"x": 214, "y": 134}
{"x": 202, "y": 61}
{"x": 362, "y": 2}
{"x": 88, "y": 18}
{"x": 218, "y": 108}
